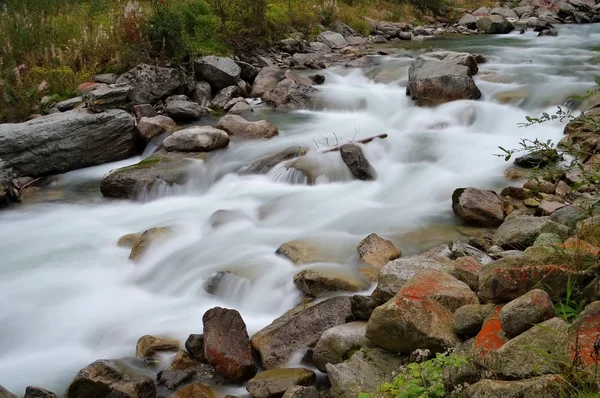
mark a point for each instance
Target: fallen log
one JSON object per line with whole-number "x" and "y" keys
{"x": 363, "y": 141}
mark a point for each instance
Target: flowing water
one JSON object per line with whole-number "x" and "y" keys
{"x": 70, "y": 295}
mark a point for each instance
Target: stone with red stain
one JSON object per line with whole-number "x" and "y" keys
{"x": 467, "y": 270}
{"x": 585, "y": 337}
{"x": 88, "y": 87}
{"x": 507, "y": 279}
{"x": 490, "y": 338}
{"x": 227, "y": 345}
{"x": 522, "y": 313}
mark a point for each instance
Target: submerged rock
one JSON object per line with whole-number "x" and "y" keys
{"x": 356, "y": 161}
{"x": 196, "y": 139}
{"x": 239, "y": 127}
{"x": 148, "y": 345}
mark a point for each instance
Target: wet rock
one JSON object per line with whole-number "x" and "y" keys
{"x": 289, "y": 94}
{"x": 151, "y": 127}
{"x": 151, "y": 83}
{"x": 37, "y": 392}
{"x": 468, "y": 319}
{"x": 266, "y": 163}
{"x": 542, "y": 386}
{"x": 405, "y": 36}
{"x": 201, "y": 372}
{"x": 194, "y": 390}
{"x": 266, "y": 80}
{"x": 478, "y": 207}
{"x": 69, "y": 104}
{"x": 148, "y": 345}
{"x": 301, "y": 251}
{"x": 106, "y": 78}
{"x": 356, "y": 161}
{"x": 364, "y": 371}
{"x": 148, "y": 239}
{"x": 239, "y": 127}
{"x": 396, "y": 273}
{"x": 522, "y": 313}
{"x": 455, "y": 58}
{"x": 219, "y": 72}
{"x": 299, "y": 328}
{"x": 317, "y": 79}
{"x": 129, "y": 239}
{"x": 332, "y": 39}
{"x": 143, "y": 110}
{"x": 520, "y": 232}
{"x": 301, "y": 392}
{"x": 338, "y": 343}
{"x": 467, "y": 270}
{"x": 201, "y": 94}
{"x": 538, "y": 159}
{"x": 196, "y": 139}
{"x": 104, "y": 379}
{"x": 227, "y": 94}
{"x": 227, "y": 346}
{"x": 363, "y": 306}
{"x": 183, "y": 109}
{"x": 109, "y": 97}
{"x": 494, "y": 25}
{"x": 195, "y": 347}
{"x": 274, "y": 382}
{"x": 172, "y": 379}
{"x": 376, "y": 251}
{"x": 6, "y": 175}
{"x": 319, "y": 283}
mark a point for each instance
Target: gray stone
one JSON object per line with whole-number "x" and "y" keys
{"x": 4, "y": 393}
{"x": 227, "y": 94}
{"x": 290, "y": 46}
{"x": 240, "y": 108}
{"x": 239, "y": 127}
{"x": 266, "y": 80}
{"x": 523, "y": 10}
{"x": 219, "y": 72}
{"x": 274, "y": 382}
{"x": 106, "y": 78}
{"x": 504, "y": 12}
{"x": 478, "y": 207}
{"x": 151, "y": 127}
{"x": 249, "y": 72}
{"x": 332, "y": 39}
{"x": 67, "y": 141}
{"x": 363, "y": 306}
{"x": 183, "y": 109}
{"x": 338, "y": 343}
{"x": 196, "y": 139}
{"x": 109, "y": 97}
{"x": 550, "y": 386}
{"x": 547, "y": 239}
{"x": 494, "y": 24}
{"x": 468, "y": 319}
{"x": 468, "y": 21}
{"x": 568, "y": 216}
{"x": 460, "y": 249}
{"x": 152, "y": 83}
{"x": 522, "y": 313}
{"x": 356, "y": 161}
{"x": 319, "y": 283}
{"x": 289, "y": 94}
{"x": 301, "y": 392}
{"x": 69, "y": 104}
{"x": 37, "y": 392}
{"x": 202, "y": 94}
{"x": 143, "y": 110}
{"x": 5, "y": 182}
{"x": 452, "y": 57}
{"x": 520, "y": 232}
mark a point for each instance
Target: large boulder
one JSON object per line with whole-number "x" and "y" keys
{"x": 478, "y": 207}
{"x": 219, "y": 72}
{"x": 299, "y": 328}
{"x": 152, "y": 83}
{"x": 467, "y": 270}
{"x": 376, "y": 251}
{"x": 520, "y": 314}
{"x": 468, "y": 319}
{"x": 227, "y": 346}
{"x": 151, "y": 127}
{"x": 332, "y": 39}
{"x": 104, "y": 379}
{"x": 489, "y": 340}
{"x": 67, "y": 141}
{"x": 359, "y": 165}
{"x": 110, "y": 97}
{"x": 266, "y": 80}
{"x": 521, "y": 231}
{"x": 147, "y": 346}
{"x": 183, "y": 109}
{"x": 196, "y": 139}
{"x": 365, "y": 371}
{"x": 239, "y": 127}
{"x": 319, "y": 283}
{"x": 494, "y": 24}
{"x": 453, "y": 57}
{"x": 274, "y": 382}
{"x": 338, "y": 343}
{"x": 432, "y": 83}
{"x": 541, "y": 386}
{"x": 289, "y": 94}
{"x": 468, "y": 21}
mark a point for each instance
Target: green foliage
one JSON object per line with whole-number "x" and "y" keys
{"x": 424, "y": 379}
{"x": 569, "y": 308}
{"x": 427, "y": 5}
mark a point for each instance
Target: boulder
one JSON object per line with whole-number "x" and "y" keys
{"x": 468, "y": 319}
{"x": 504, "y": 12}
{"x": 152, "y": 83}
{"x": 70, "y": 104}
{"x": 290, "y": 46}
{"x": 249, "y": 72}
{"x": 432, "y": 83}
{"x": 109, "y": 97}
{"x": 478, "y": 207}
{"x": 103, "y": 379}
{"x": 227, "y": 94}
{"x": 363, "y": 306}
{"x": 332, "y": 39}
{"x": 289, "y": 94}
{"x": 183, "y": 109}
{"x": 489, "y": 340}
{"x": 523, "y": 10}
{"x": 494, "y": 25}
{"x": 274, "y": 382}
{"x": 147, "y": 239}
{"x": 302, "y": 251}
{"x": 196, "y": 139}
{"x": 201, "y": 372}
{"x": 396, "y": 273}
{"x": 339, "y": 343}
{"x": 452, "y": 57}
{"x": 227, "y": 346}
{"x": 359, "y": 165}
{"x": 522, "y": 313}
{"x": 541, "y": 386}
{"x": 460, "y": 249}
{"x": 194, "y": 390}
{"x": 151, "y": 127}
{"x": 568, "y": 216}
{"x": 239, "y": 127}
{"x": 4, "y": 393}
{"x": 301, "y": 392}
{"x": 143, "y": 110}
{"x": 240, "y": 108}
{"x": 202, "y": 94}
{"x": 538, "y": 159}
{"x": 36, "y": 392}
{"x": 219, "y": 72}
{"x": 148, "y": 345}
{"x": 194, "y": 345}
{"x": 376, "y": 251}
{"x": 547, "y": 207}
{"x": 266, "y": 80}
{"x": 319, "y": 283}
{"x": 266, "y": 163}
{"x": 299, "y": 328}
{"x": 365, "y": 371}
{"x": 67, "y": 141}
{"x": 106, "y": 78}
{"x": 519, "y": 232}
{"x": 88, "y": 87}
{"x": 467, "y": 270}
{"x": 468, "y": 21}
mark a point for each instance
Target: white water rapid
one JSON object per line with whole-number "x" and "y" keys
{"x": 71, "y": 296}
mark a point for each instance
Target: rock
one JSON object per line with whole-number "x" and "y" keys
{"x": 365, "y": 371}
{"x": 195, "y": 347}
{"x": 506, "y": 279}
{"x": 202, "y": 94}
{"x": 338, "y": 343}
{"x": 227, "y": 346}
{"x": 36, "y": 392}
{"x": 547, "y": 207}
{"x": 455, "y": 58}
{"x": 332, "y": 39}
{"x": 540, "y": 186}
{"x": 201, "y": 372}
{"x": 106, "y": 78}
{"x": 478, "y": 207}
{"x": 151, "y": 127}
{"x": 584, "y": 335}
{"x": 319, "y": 283}
{"x": 299, "y": 328}
{"x": 240, "y": 108}
{"x": 523, "y": 10}
{"x": 183, "y": 109}
{"x": 542, "y": 386}
{"x": 531, "y": 202}
{"x": 460, "y": 249}
{"x": 405, "y": 36}
{"x": 4, "y": 393}
{"x": 376, "y": 251}
{"x": 588, "y": 230}
{"x": 103, "y": 379}
{"x": 237, "y": 126}
{"x": 6, "y": 175}
{"x": 151, "y": 83}
{"x": 147, "y": 239}
{"x": 219, "y": 72}
{"x": 69, "y": 104}
{"x": 356, "y": 161}
{"x": 522, "y": 313}
{"x": 432, "y": 83}
{"x": 266, "y": 163}
{"x": 522, "y": 231}
{"x": 468, "y": 21}
{"x": 109, "y": 97}
{"x": 67, "y": 141}
{"x": 289, "y": 94}
{"x": 148, "y": 345}
{"x": 194, "y": 390}
{"x": 301, "y": 392}
{"x": 266, "y": 80}
{"x": 128, "y": 182}
{"x": 227, "y": 94}
{"x": 301, "y": 251}
{"x": 490, "y": 338}
{"x": 88, "y": 87}
{"x": 143, "y": 110}
{"x": 516, "y": 193}
{"x": 538, "y": 159}
{"x": 128, "y": 240}
{"x": 467, "y": 270}
{"x": 562, "y": 189}
{"x": 468, "y": 319}
{"x": 249, "y": 72}
{"x": 290, "y": 46}
{"x": 196, "y": 139}
{"x": 363, "y": 306}
{"x": 568, "y": 216}
{"x": 396, "y": 273}
{"x": 274, "y": 382}
{"x": 494, "y": 24}
{"x": 504, "y": 12}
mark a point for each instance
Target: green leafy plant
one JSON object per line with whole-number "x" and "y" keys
{"x": 569, "y": 308}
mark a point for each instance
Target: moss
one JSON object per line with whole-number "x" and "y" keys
{"x": 144, "y": 164}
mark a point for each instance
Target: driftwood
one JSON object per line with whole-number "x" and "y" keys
{"x": 363, "y": 141}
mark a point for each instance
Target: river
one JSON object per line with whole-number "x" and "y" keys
{"x": 70, "y": 295}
